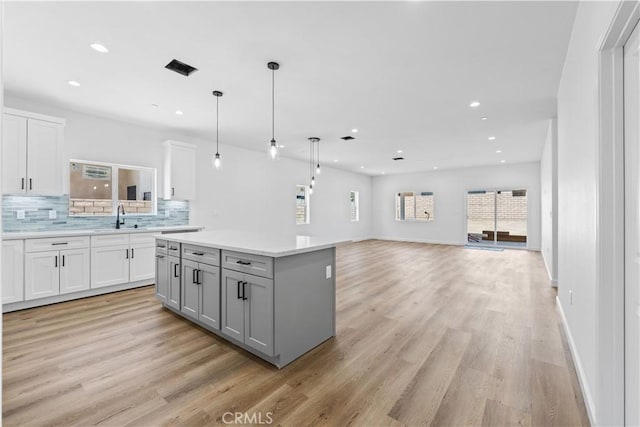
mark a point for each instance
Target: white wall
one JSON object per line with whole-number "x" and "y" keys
{"x": 577, "y": 194}
{"x": 250, "y": 192}
{"x": 449, "y": 188}
{"x": 549, "y": 200}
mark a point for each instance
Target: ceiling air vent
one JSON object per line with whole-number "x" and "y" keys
{"x": 180, "y": 67}
{"x": 398, "y": 158}
{"x": 347, "y": 138}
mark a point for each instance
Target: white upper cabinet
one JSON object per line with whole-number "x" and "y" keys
{"x": 31, "y": 153}
{"x": 179, "y": 171}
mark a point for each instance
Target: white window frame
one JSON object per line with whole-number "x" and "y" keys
{"x": 398, "y": 196}
{"x": 307, "y": 205}
{"x": 357, "y": 204}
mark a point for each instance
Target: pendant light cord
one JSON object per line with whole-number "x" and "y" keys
{"x": 217, "y": 121}
{"x": 273, "y": 105}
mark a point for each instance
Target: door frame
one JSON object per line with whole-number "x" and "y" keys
{"x": 495, "y": 190}
{"x": 610, "y": 220}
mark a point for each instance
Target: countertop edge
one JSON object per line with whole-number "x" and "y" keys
{"x": 20, "y": 235}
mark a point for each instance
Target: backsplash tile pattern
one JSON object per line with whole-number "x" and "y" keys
{"x": 37, "y": 215}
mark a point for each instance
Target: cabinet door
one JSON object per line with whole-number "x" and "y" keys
{"x": 258, "y": 314}
{"x": 232, "y": 307}
{"x": 142, "y": 265}
{"x": 42, "y": 276}
{"x": 183, "y": 173}
{"x": 74, "y": 270}
{"x": 109, "y": 266}
{"x": 173, "y": 297}
{"x": 44, "y": 160}
{"x": 190, "y": 295}
{"x": 210, "y": 295}
{"x": 12, "y": 271}
{"x": 14, "y": 154}
{"x": 162, "y": 277}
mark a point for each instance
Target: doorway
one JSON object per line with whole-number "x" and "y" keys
{"x": 497, "y": 218}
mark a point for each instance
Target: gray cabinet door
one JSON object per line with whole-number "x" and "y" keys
{"x": 190, "y": 295}
{"x": 173, "y": 296}
{"x": 258, "y": 313}
{"x": 162, "y": 279}
{"x": 232, "y": 312}
{"x": 209, "y": 295}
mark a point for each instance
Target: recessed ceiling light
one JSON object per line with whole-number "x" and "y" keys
{"x": 484, "y": 118}
{"x": 492, "y": 138}
{"x": 382, "y": 173}
{"x": 178, "y": 112}
{"x": 154, "y": 105}
{"x": 498, "y": 151}
{"x": 282, "y": 146}
{"x": 361, "y": 167}
{"x": 335, "y": 161}
{"x": 354, "y": 130}
{"x": 73, "y": 83}
{"x": 99, "y": 47}
{"x": 435, "y": 168}
{"x": 399, "y": 151}
{"x": 474, "y": 104}
{"x": 503, "y": 161}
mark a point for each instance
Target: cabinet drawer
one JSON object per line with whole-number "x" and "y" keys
{"x": 161, "y": 246}
{"x": 201, "y": 254}
{"x": 142, "y": 239}
{"x": 58, "y": 243}
{"x": 110, "y": 240}
{"x": 246, "y": 263}
{"x": 173, "y": 248}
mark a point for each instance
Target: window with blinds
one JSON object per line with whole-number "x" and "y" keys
{"x": 302, "y": 204}
{"x": 354, "y": 203}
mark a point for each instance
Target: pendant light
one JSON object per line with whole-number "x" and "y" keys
{"x": 216, "y": 158}
{"x": 273, "y": 148}
{"x": 317, "y": 142}
{"x": 313, "y": 181}
{"x": 314, "y": 143}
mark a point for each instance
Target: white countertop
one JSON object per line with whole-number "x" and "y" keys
{"x": 267, "y": 244}
{"x": 97, "y": 232}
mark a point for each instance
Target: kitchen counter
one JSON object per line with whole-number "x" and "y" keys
{"x": 266, "y": 244}
{"x": 96, "y": 232}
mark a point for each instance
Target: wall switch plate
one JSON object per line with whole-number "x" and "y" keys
{"x": 328, "y": 274}
{"x": 20, "y": 214}
{"x": 53, "y": 214}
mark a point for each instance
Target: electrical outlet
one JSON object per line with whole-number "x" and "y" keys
{"x": 328, "y": 273}
{"x": 53, "y": 214}
{"x": 20, "y": 214}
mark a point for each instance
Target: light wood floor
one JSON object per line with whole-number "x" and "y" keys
{"x": 427, "y": 334}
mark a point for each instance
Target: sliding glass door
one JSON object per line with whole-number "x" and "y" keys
{"x": 497, "y": 218}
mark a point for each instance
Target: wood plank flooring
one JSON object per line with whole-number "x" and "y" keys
{"x": 426, "y": 335}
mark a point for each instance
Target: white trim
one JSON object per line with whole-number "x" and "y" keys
{"x": 582, "y": 377}
{"x": 432, "y": 242}
{"x": 170, "y": 142}
{"x": 30, "y": 115}
{"x": 554, "y": 282}
{"x": 610, "y": 218}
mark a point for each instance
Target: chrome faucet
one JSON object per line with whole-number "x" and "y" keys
{"x": 118, "y": 222}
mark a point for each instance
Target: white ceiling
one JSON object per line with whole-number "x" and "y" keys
{"x": 403, "y": 73}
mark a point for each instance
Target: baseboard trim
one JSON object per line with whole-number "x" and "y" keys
{"x": 432, "y": 242}
{"x": 554, "y": 282}
{"x": 582, "y": 378}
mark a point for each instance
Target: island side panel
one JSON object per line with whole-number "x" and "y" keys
{"x": 304, "y": 303}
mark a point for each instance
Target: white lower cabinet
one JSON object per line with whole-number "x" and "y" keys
{"x": 12, "y": 271}
{"x": 122, "y": 258}
{"x": 247, "y": 309}
{"x": 51, "y": 270}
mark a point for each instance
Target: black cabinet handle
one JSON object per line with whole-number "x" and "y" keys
{"x": 59, "y": 243}
{"x": 127, "y": 253}
{"x": 22, "y": 185}
{"x": 30, "y": 184}
{"x": 63, "y": 260}
{"x": 243, "y": 262}
{"x": 171, "y": 248}
{"x": 56, "y": 261}
{"x": 173, "y": 191}
{"x": 132, "y": 253}
{"x": 199, "y": 276}
{"x": 161, "y": 246}
{"x": 198, "y": 253}
{"x": 175, "y": 270}
{"x": 239, "y": 283}
{"x": 244, "y": 291}
{"x": 193, "y": 277}
{"x": 161, "y": 256}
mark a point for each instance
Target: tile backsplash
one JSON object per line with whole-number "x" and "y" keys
{"x": 37, "y": 208}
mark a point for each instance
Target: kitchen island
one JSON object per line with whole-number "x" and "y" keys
{"x": 271, "y": 295}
